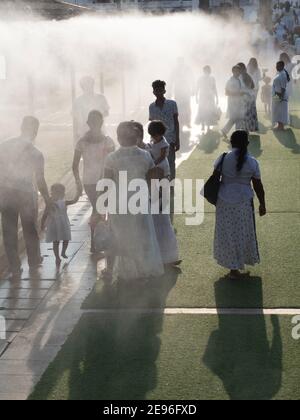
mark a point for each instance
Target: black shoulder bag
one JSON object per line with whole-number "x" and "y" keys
{"x": 212, "y": 186}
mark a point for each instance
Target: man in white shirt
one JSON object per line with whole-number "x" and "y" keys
{"x": 87, "y": 102}
{"x": 21, "y": 169}
{"x": 166, "y": 110}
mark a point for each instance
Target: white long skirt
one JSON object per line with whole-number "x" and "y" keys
{"x": 58, "y": 227}
{"x": 166, "y": 238}
{"x": 235, "y": 243}
{"x": 136, "y": 247}
{"x": 280, "y": 112}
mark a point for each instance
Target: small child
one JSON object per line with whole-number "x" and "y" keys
{"x": 159, "y": 149}
{"x": 266, "y": 95}
{"x": 56, "y": 220}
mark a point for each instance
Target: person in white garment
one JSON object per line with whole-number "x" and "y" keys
{"x": 84, "y": 104}
{"x": 182, "y": 87}
{"x": 235, "y": 110}
{"x": 159, "y": 149}
{"x": 288, "y": 65}
{"x": 135, "y": 253}
{"x": 92, "y": 149}
{"x": 250, "y": 121}
{"x": 207, "y": 98}
{"x": 280, "y": 98}
{"x": 255, "y": 73}
{"x": 235, "y": 243}
{"x": 57, "y": 223}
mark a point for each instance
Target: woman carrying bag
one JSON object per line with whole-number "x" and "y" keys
{"x": 235, "y": 243}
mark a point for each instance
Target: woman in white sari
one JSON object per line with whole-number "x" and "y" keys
{"x": 135, "y": 253}
{"x": 207, "y": 98}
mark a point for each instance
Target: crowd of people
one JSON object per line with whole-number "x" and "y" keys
{"x": 142, "y": 245}
{"x": 286, "y": 26}
{"x": 242, "y": 90}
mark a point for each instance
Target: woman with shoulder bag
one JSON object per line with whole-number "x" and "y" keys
{"x": 235, "y": 243}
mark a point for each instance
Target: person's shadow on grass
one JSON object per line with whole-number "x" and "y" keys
{"x": 119, "y": 351}
{"x": 255, "y": 145}
{"x": 288, "y": 139}
{"x": 295, "y": 121}
{"x": 112, "y": 355}
{"x": 209, "y": 142}
{"x": 239, "y": 352}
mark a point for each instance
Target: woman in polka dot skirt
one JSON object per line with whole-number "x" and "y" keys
{"x": 235, "y": 243}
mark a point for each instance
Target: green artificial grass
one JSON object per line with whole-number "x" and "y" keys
{"x": 133, "y": 356}
{"x": 278, "y": 235}
{"x": 138, "y": 357}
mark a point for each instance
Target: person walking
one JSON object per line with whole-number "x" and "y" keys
{"x": 166, "y": 110}
{"x": 235, "y": 243}
{"x": 250, "y": 123}
{"x": 135, "y": 252}
{"x": 235, "y": 110}
{"x": 207, "y": 100}
{"x": 21, "y": 169}
{"x": 84, "y": 104}
{"x": 280, "y": 97}
{"x": 92, "y": 148}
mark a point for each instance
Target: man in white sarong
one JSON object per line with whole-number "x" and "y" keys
{"x": 280, "y": 101}
{"x": 235, "y": 111}
{"x": 87, "y": 102}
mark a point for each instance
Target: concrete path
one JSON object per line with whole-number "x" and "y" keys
{"x": 41, "y": 310}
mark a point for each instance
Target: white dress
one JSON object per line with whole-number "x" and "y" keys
{"x": 136, "y": 246}
{"x": 58, "y": 224}
{"x": 164, "y": 230}
{"x": 207, "y": 107}
{"x": 235, "y": 243}
{"x": 236, "y": 109}
{"x": 257, "y": 78}
{"x": 155, "y": 150}
{"x": 280, "y": 107}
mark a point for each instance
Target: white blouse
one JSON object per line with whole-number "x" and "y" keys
{"x": 281, "y": 82}
{"x": 236, "y": 186}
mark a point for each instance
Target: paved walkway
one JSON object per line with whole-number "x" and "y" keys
{"x": 41, "y": 310}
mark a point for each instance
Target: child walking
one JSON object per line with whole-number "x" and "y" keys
{"x": 266, "y": 95}
{"x": 159, "y": 149}
{"x": 56, "y": 221}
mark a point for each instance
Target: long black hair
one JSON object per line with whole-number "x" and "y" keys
{"x": 281, "y": 65}
{"x": 240, "y": 141}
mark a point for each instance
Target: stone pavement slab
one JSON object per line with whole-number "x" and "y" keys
{"x": 42, "y": 308}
